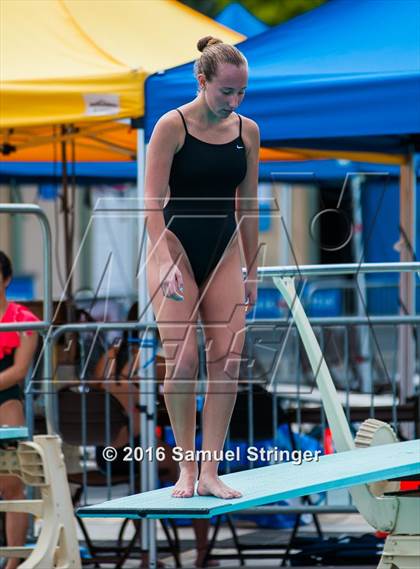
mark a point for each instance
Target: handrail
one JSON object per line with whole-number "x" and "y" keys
{"x": 101, "y": 326}
{"x": 337, "y": 269}
{"x": 106, "y": 326}
{"x": 31, "y": 209}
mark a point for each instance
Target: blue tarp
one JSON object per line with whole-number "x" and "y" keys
{"x": 311, "y": 171}
{"x": 381, "y": 215}
{"x": 345, "y": 75}
{"x": 238, "y": 18}
{"x": 85, "y": 172}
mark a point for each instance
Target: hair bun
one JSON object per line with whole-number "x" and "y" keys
{"x": 206, "y": 42}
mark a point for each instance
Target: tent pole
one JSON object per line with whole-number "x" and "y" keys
{"x": 406, "y": 345}
{"x": 362, "y": 333}
{"x": 147, "y": 393}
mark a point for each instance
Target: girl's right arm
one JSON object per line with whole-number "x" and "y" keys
{"x": 162, "y": 147}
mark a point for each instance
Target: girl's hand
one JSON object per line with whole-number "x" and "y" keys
{"x": 172, "y": 284}
{"x": 250, "y": 294}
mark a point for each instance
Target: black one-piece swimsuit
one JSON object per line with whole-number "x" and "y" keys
{"x": 201, "y": 208}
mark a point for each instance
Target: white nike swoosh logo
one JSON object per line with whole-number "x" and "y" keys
{"x": 239, "y": 147}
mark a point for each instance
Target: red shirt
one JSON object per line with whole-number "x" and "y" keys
{"x": 9, "y": 341}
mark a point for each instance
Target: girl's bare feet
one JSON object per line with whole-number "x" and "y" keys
{"x": 213, "y": 486}
{"x": 184, "y": 488}
{"x": 145, "y": 562}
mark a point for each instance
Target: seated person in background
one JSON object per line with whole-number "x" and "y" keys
{"x": 116, "y": 372}
{"x": 17, "y": 350}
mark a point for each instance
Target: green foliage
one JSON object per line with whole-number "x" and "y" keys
{"x": 271, "y": 12}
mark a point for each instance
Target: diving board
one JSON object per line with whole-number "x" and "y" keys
{"x": 9, "y": 434}
{"x": 269, "y": 484}
{"x": 373, "y": 456}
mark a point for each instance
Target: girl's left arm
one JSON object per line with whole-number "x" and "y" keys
{"x": 247, "y": 210}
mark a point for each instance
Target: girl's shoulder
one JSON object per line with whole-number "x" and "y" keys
{"x": 10, "y": 341}
{"x": 18, "y": 313}
{"x": 249, "y": 125}
{"x": 250, "y": 135}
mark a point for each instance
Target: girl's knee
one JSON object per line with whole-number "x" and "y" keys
{"x": 185, "y": 368}
{"x": 232, "y": 366}
{"x": 223, "y": 345}
{"x": 226, "y": 364}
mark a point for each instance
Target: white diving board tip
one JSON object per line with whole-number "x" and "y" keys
{"x": 13, "y": 433}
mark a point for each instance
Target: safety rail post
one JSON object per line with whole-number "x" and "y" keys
{"x": 148, "y": 418}
{"x": 31, "y": 209}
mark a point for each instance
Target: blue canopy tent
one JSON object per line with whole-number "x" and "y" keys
{"x": 343, "y": 76}
{"x": 238, "y": 18}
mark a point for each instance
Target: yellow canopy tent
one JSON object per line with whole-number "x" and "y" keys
{"x": 66, "y": 61}
{"x": 80, "y": 63}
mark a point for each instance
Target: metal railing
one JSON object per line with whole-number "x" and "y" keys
{"x": 294, "y": 398}
{"x": 51, "y": 334}
{"x": 338, "y": 269}
{"x": 45, "y": 325}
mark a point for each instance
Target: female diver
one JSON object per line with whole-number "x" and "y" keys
{"x": 207, "y": 156}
